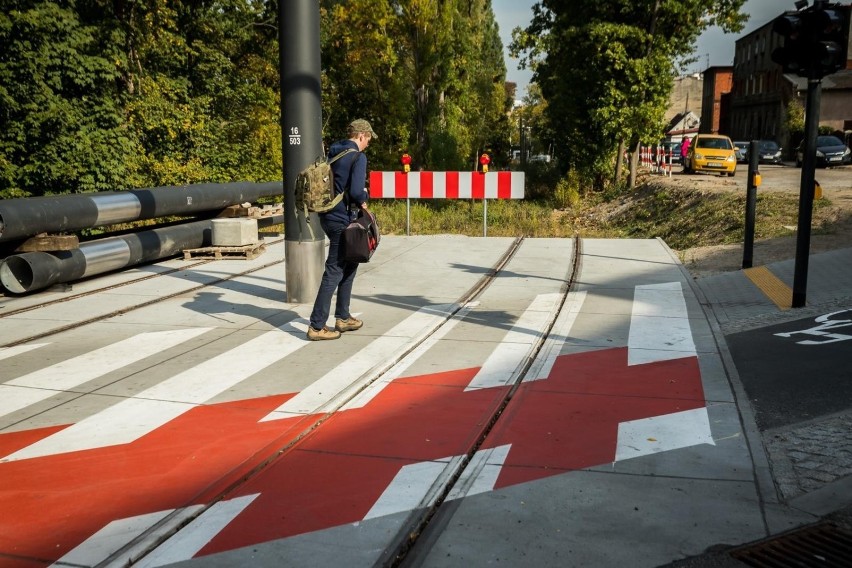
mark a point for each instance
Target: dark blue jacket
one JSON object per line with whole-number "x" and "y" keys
{"x": 350, "y": 175}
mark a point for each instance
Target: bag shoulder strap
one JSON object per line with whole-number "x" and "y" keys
{"x": 334, "y": 159}
{"x": 340, "y": 155}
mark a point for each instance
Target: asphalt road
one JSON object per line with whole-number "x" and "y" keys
{"x": 798, "y": 370}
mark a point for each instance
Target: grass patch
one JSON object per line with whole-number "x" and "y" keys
{"x": 506, "y": 218}
{"x": 684, "y": 218}
{"x": 692, "y": 218}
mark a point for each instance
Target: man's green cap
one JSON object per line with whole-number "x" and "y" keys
{"x": 361, "y": 125}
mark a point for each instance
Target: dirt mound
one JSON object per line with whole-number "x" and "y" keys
{"x": 701, "y": 216}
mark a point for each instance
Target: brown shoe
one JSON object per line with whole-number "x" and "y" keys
{"x": 350, "y": 324}
{"x": 321, "y": 334}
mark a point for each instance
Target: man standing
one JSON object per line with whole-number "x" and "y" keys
{"x": 350, "y": 179}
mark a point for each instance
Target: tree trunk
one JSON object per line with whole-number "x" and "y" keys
{"x": 634, "y": 160}
{"x": 619, "y": 161}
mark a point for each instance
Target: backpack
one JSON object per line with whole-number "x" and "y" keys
{"x": 315, "y": 186}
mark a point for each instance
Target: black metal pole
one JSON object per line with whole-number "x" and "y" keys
{"x": 751, "y": 205}
{"x": 301, "y": 133}
{"x": 806, "y": 194}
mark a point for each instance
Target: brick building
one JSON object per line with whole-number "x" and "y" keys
{"x": 714, "y": 104}
{"x": 761, "y": 94}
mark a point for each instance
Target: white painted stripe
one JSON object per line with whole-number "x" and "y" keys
{"x": 517, "y": 185}
{"x": 465, "y": 185}
{"x": 663, "y": 433}
{"x": 659, "y": 325}
{"x": 374, "y": 388}
{"x": 414, "y": 486}
{"x": 546, "y": 358}
{"x": 83, "y": 368}
{"x": 366, "y": 364}
{"x": 6, "y": 352}
{"x": 491, "y": 185}
{"x": 195, "y": 536}
{"x": 481, "y": 474}
{"x": 505, "y": 362}
{"x": 13, "y": 399}
{"x": 413, "y": 185}
{"x": 388, "y": 183}
{"x": 114, "y": 536}
{"x": 71, "y": 373}
{"x": 439, "y": 185}
{"x": 134, "y": 417}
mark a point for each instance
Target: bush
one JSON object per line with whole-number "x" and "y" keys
{"x": 567, "y": 192}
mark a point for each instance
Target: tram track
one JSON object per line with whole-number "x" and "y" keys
{"x": 416, "y": 530}
{"x": 128, "y": 309}
{"x": 416, "y": 535}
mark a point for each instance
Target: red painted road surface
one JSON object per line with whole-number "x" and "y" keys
{"x": 337, "y": 473}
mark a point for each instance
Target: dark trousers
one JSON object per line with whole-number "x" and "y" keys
{"x": 338, "y": 275}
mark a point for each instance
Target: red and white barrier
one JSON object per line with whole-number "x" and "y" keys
{"x": 657, "y": 160}
{"x": 447, "y": 185}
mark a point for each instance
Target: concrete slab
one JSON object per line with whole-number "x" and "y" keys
{"x": 596, "y": 519}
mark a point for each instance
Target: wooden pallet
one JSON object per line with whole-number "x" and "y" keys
{"x": 247, "y": 252}
{"x": 247, "y": 211}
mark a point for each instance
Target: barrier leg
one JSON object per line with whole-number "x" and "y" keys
{"x": 484, "y": 217}
{"x": 408, "y": 216}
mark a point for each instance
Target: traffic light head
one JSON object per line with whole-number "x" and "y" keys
{"x": 815, "y": 40}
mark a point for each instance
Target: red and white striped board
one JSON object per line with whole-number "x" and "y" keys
{"x": 447, "y": 185}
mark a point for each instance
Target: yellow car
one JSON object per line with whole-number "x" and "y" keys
{"x": 711, "y": 153}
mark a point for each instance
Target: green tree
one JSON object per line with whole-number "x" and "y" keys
{"x": 475, "y": 93}
{"x": 606, "y": 68}
{"x": 428, "y": 73}
{"x": 110, "y": 94}
{"x": 62, "y": 125}
{"x": 361, "y": 76}
{"x": 205, "y": 101}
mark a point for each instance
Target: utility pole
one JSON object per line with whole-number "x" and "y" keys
{"x": 301, "y": 134}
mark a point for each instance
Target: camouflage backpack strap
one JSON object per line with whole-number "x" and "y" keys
{"x": 340, "y": 196}
{"x": 334, "y": 202}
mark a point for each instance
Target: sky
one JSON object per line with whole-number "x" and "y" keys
{"x": 713, "y": 47}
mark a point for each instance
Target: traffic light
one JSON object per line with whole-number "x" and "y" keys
{"x": 815, "y": 40}
{"x": 790, "y": 57}
{"x": 832, "y": 42}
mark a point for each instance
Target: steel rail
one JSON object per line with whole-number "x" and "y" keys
{"x": 134, "y": 307}
{"x": 415, "y": 530}
{"x": 72, "y": 297}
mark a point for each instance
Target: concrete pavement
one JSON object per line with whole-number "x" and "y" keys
{"x": 203, "y": 430}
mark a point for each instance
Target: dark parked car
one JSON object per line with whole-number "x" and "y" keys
{"x": 741, "y": 148}
{"x": 830, "y": 151}
{"x": 672, "y": 148}
{"x": 768, "y": 152}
